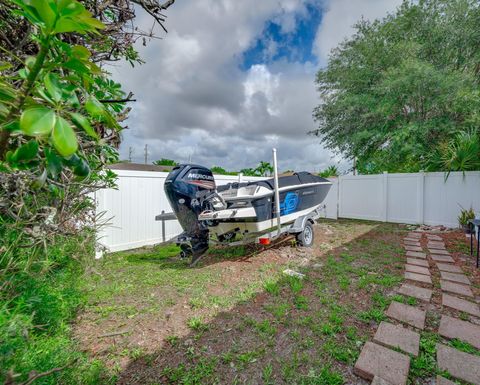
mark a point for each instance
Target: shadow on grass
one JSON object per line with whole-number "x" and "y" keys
{"x": 306, "y": 331}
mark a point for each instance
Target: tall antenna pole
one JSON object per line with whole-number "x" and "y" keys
{"x": 146, "y": 153}
{"x": 277, "y": 193}
{"x": 130, "y": 153}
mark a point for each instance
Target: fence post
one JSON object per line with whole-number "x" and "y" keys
{"x": 420, "y": 197}
{"x": 385, "y": 196}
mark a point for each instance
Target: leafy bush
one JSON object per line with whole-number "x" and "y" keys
{"x": 465, "y": 216}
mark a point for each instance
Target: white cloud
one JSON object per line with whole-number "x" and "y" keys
{"x": 194, "y": 101}
{"x": 341, "y": 15}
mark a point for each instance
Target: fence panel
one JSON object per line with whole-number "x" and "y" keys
{"x": 444, "y": 200}
{"x": 361, "y": 197}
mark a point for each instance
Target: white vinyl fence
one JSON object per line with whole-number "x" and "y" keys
{"x": 419, "y": 198}
{"x": 422, "y": 198}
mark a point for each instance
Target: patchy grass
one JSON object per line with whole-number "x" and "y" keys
{"x": 235, "y": 318}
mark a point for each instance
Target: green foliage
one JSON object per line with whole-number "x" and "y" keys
{"x": 165, "y": 162}
{"x": 329, "y": 172}
{"x": 461, "y": 153}
{"x": 263, "y": 169}
{"x": 401, "y": 87}
{"x": 221, "y": 171}
{"x": 465, "y": 216}
{"x": 34, "y": 325}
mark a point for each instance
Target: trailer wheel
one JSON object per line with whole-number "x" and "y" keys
{"x": 305, "y": 238}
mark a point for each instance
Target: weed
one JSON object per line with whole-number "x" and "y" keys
{"x": 272, "y": 287}
{"x": 301, "y": 302}
{"x": 266, "y": 328}
{"x": 326, "y": 376}
{"x": 172, "y": 340}
{"x": 464, "y": 347}
{"x": 278, "y": 311}
{"x": 267, "y": 374}
{"x": 425, "y": 364}
{"x": 373, "y": 314}
{"x": 296, "y": 284}
{"x": 346, "y": 352}
{"x": 196, "y": 323}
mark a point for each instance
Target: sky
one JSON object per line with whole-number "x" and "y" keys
{"x": 234, "y": 78}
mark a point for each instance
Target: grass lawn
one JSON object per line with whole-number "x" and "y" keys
{"x": 236, "y": 319}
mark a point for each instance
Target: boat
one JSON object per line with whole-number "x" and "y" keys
{"x": 247, "y": 210}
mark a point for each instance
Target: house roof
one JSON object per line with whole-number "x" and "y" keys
{"x": 139, "y": 167}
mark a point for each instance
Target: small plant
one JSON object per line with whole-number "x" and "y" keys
{"x": 464, "y": 217}
{"x": 272, "y": 287}
{"x": 196, "y": 323}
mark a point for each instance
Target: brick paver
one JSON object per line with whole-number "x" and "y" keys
{"x": 417, "y": 269}
{"x": 455, "y": 328}
{"x": 414, "y": 234}
{"x": 434, "y": 248}
{"x": 377, "y": 360}
{"x": 416, "y": 254}
{"x": 443, "y": 381}
{"x": 417, "y": 277}
{"x": 380, "y": 381}
{"x": 460, "y": 365}
{"x": 442, "y": 258}
{"x": 415, "y": 291}
{"x": 460, "y": 304}
{"x": 407, "y": 314}
{"x": 449, "y": 268}
{"x": 456, "y": 288}
{"x": 436, "y": 243}
{"x": 438, "y": 251}
{"x": 418, "y": 262}
{"x": 454, "y": 277}
{"x": 434, "y": 237}
{"x": 411, "y": 243}
{"x": 412, "y": 248}
{"x": 398, "y": 336}
{"x": 416, "y": 240}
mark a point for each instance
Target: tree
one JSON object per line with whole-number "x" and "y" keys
{"x": 60, "y": 124}
{"x": 329, "y": 172}
{"x": 400, "y": 87}
{"x": 221, "y": 171}
{"x": 165, "y": 162}
{"x": 263, "y": 169}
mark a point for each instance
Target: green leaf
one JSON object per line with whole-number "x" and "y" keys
{"x": 82, "y": 169}
{"x": 82, "y": 122}
{"x": 54, "y": 162}
{"x": 39, "y": 182}
{"x": 80, "y": 52}
{"x": 67, "y": 25}
{"x": 69, "y": 7}
{"x": 37, "y": 121}
{"x": 94, "y": 108}
{"x": 45, "y": 11}
{"x": 64, "y": 138}
{"x": 53, "y": 86}
{"x": 26, "y": 152}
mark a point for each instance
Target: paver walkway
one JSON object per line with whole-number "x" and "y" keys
{"x": 385, "y": 366}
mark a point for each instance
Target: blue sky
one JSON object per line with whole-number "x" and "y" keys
{"x": 294, "y": 46}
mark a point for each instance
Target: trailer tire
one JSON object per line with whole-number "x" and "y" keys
{"x": 305, "y": 238}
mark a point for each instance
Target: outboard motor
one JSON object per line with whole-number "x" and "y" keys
{"x": 186, "y": 188}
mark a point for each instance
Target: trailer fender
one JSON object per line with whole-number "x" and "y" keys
{"x": 300, "y": 223}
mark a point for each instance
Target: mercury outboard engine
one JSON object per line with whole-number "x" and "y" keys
{"x": 186, "y": 188}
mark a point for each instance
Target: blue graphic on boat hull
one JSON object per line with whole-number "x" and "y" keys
{"x": 289, "y": 204}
